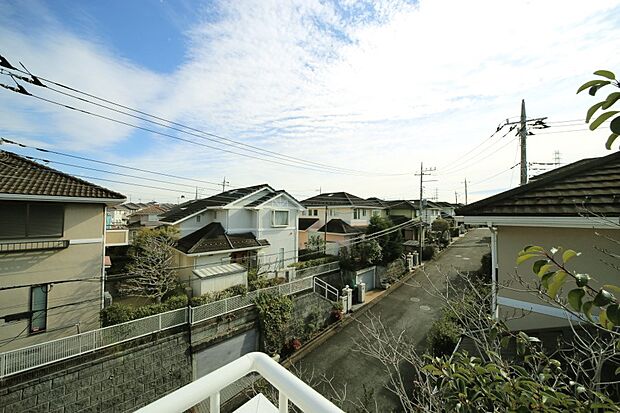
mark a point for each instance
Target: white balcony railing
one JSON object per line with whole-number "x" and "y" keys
{"x": 290, "y": 388}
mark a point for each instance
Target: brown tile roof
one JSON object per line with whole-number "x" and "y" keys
{"x": 589, "y": 185}
{"x": 21, "y": 176}
{"x": 213, "y": 237}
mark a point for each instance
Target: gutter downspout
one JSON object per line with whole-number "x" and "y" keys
{"x": 494, "y": 309}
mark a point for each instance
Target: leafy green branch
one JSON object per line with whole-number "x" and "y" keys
{"x": 551, "y": 269}
{"x": 593, "y": 86}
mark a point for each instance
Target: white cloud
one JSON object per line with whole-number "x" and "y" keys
{"x": 367, "y": 86}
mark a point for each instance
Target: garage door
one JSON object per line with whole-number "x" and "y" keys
{"x": 367, "y": 277}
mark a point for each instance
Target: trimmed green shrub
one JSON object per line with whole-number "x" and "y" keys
{"x": 116, "y": 314}
{"x": 314, "y": 262}
{"x": 440, "y": 225}
{"x": 174, "y": 302}
{"x": 443, "y": 336}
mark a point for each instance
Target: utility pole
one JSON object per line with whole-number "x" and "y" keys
{"x": 523, "y": 133}
{"x": 537, "y": 123}
{"x": 325, "y": 232}
{"x": 224, "y": 183}
{"x": 556, "y": 157}
{"x": 422, "y": 173}
{"x": 196, "y": 193}
{"x": 456, "y": 197}
{"x": 465, "y": 182}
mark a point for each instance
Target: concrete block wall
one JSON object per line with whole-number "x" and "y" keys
{"x": 121, "y": 378}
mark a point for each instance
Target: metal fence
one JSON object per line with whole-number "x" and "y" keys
{"x": 19, "y": 360}
{"x": 16, "y": 361}
{"x": 218, "y": 308}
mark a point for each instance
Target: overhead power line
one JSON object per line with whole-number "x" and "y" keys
{"x": 179, "y": 127}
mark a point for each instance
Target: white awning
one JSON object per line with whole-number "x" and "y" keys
{"x": 219, "y": 270}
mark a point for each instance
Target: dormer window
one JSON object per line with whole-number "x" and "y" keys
{"x": 279, "y": 219}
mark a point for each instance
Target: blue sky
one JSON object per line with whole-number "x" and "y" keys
{"x": 372, "y": 86}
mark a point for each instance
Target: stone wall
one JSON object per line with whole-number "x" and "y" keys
{"x": 120, "y": 378}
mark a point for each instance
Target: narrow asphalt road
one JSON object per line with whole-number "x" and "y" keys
{"x": 410, "y": 308}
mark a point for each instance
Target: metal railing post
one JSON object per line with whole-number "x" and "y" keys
{"x": 2, "y": 365}
{"x": 214, "y": 403}
{"x": 282, "y": 402}
{"x": 159, "y": 321}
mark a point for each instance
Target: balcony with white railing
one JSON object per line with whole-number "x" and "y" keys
{"x": 290, "y": 389}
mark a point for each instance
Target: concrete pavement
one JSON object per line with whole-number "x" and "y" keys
{"x": 409, "y": 307}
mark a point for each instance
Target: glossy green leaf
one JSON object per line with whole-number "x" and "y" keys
{"x": 615, "y": 126}
{"x": 612, "y": 288}
{"x": 521, "y": 259}
{"x": 555, "y": 283}
{"x": 591, "y": 83}
{"x": 617, "y": 371}
{"x": 611, "y": 99}
{"x": 568, "y": 254}
{"x": 602, "y": 119}
{"x": 603, "y": 298}
{"x": 605, "y": 73}
{"x": 582, "y": 280}
{"x": 574, "y": 298}
{"x": 537, "y": 265}
{"x": 587, "y": 310}
{"x": 544, "y": 269}
{"x": 613, "y": 313}
{"x": 545, "y": 278}
{"x": 593, "y": 110}
{"x": 611, "y": 139}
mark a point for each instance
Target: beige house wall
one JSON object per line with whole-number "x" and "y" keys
{"x": 511, "y": 240}
{"x": 71, "y": 306}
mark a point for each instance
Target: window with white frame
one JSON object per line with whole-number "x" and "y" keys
{"x": 197, "y": 218}
{"x": 279, "y": 219}
{"x": 315, "y": 212}
{"x": 363, "y": 212}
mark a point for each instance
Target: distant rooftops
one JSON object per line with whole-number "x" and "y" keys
{"x": 213, "y": 237}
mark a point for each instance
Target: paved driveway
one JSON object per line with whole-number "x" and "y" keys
{"x": 408, "y": 308}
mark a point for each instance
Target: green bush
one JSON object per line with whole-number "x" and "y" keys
{"x": 428, "y": 252}
{"x": 440, "y": 225}
{"x": 174, "y": 302}
{"x": 314, "y": 262}
{"x": 264, "y": 282}
{"x": 274, "y": 313}
{"x": 116, "y": 314}
{"x": 454, "y": 232}
{"x": 443, "y": 336}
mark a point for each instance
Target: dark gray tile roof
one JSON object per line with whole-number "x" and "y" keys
{"x": 589, "y": 185}
{"x": 265, "y": 198}
{"x": 21, "y": 176}
{"x": 191, "y": 207}
{"x": 305, "y": 223}
{"x": 338, "y": 226}
{"x": 337, "y": 199}
{"x": 213, "y": 237}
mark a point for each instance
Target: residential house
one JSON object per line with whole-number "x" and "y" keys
{"x": 220, "y": 236}
{"x": 145, "y": 217}
{"x": 346, "y": 215}
{"x": 307, "y": 227}
{"x": 52, "y": 241}
{"x": 576, "y": 206}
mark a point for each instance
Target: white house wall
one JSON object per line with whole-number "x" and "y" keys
{"x": 241, "y": 220}
{"x": 196, "y": 222}
{"x": 278, "y": 237}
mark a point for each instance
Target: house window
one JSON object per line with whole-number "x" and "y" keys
{"x": 357, "y": 214}
{"x": 363, "y": 212}
{"x": 31, "y": 220}
{"x": 280, "y": 219}
{"x": 197, "y": 218}
{"x": 315, "y": 212}
{"x": 38, "y": 308}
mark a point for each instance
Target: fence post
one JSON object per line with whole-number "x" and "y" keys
{"x": 159, "y": 321}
